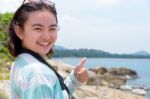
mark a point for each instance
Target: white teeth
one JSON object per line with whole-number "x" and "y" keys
{"x": 44, "y": 43}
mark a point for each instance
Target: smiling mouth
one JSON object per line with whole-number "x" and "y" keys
{"x": 44, "y": 43}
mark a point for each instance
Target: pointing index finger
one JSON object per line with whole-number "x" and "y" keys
{"x": 80, "y": 65}
{"x": 82, "y": 62}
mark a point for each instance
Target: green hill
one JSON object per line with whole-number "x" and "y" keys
{"x": 92, "y": 53}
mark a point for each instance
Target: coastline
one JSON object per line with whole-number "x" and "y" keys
{"x": 94, "y": 91}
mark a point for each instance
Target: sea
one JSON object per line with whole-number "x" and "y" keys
{"x": 141, "y": 66}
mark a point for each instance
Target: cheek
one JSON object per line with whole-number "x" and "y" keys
{"x": 30, "y": 38}
{"x": 55, "y": 37}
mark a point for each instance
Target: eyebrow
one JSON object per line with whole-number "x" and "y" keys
{"x": 52, "y": 25}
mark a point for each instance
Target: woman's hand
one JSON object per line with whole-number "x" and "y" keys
{"x": 81, "y": 72}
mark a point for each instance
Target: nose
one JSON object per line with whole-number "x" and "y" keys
{"x": 46, "y": 36}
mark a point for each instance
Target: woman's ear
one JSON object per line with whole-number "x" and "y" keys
{"x": 18, "y": 31}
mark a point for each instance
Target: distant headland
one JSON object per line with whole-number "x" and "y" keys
{"x": 60, "y": 51}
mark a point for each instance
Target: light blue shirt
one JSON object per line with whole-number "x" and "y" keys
{"x": 31, "y": 79}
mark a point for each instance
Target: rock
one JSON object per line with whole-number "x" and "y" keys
{"x": 112, "y": 81}
{"x": 139, "y": 91}
{"x": 101, "y": 70}
{"x": 126, "y": 87}
{"x": 93, "y": 78}
{"x": 60, "y": 66}
{"x": 101, "y": 92}
{"x": 141, "y": 87}
{"x": 123, "y": 72}
{"x": 102, "y": 77}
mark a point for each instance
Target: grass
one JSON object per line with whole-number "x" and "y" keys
{"x": 4, "y": 76}
{"x": 4, "y": 70}
{"x": 4, "y": 73}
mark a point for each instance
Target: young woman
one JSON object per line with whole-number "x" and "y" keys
{"x": 32, "y": 35}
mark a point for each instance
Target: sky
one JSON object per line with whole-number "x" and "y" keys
{"x": 116, "y": 26}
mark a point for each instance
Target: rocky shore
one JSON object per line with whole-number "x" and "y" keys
{"x": 102, "y": 92}
{"x": 103, "y": 83}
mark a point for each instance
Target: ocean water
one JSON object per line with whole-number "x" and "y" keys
{"x": 141, "y": 66}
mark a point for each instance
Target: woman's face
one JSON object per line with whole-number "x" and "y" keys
{"x": 40, "y": 32}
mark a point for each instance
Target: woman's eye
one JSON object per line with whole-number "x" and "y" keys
{"x": 38, "y": 29}
{"x": 53, "y": 29}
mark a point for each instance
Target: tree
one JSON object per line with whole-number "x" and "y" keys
{"x": 4, "y": 23}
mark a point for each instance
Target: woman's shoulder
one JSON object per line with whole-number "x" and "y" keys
{"x": 30, "y": 67}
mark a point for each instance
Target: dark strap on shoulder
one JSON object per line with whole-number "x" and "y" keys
{"x": 41, "y": 59}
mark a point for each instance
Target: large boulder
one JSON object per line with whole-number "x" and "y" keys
{"x": 112, "y": 81}
{"x": 60, "y": 66}
{"x": 139, "y": 91}
{"x": 93, "y": 78}
{"x": 123, "y": 72}
{"x": 99, "y": 70}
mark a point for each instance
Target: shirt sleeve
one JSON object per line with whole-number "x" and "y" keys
{"x": 72, "y": 83}
{"x": 39, "y": 87}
